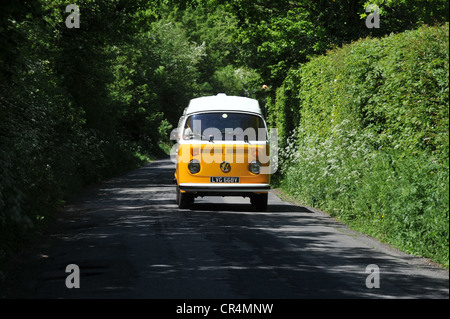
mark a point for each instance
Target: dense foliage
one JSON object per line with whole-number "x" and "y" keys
{"x": 368, "y": 123}
{"x": 78, "y": 105}
{"x": 372, "y": 144}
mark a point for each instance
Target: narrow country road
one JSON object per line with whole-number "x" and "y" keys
{"x": 130, "y": 240}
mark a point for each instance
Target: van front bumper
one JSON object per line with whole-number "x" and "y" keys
{"x": 228, "y": 188}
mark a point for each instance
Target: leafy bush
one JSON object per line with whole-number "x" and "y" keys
{"x": 79, "y": 105}
{"x": 372, "y": 144}
{"x": 283, "y": 112}
{"x": 47, "y": 154}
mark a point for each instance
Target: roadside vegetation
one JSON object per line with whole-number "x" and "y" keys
{"x": 372, "y": 144}
{"x": 362, "y": 113}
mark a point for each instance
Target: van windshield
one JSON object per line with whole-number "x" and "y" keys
{"x": 225, "y": 127}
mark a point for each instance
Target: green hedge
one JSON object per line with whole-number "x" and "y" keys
{"x": 372, "y": 144}
{"x": 46, "y": 155}
{"x": 282, "y": 110}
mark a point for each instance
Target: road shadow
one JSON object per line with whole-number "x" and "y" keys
{"x": 243, "y": 207}
{"x": 131, "y": 241}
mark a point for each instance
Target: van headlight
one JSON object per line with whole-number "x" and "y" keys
{"x": 254, "y": 167}
{"x": 194, "y": 166}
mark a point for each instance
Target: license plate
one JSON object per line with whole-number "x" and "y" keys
{"x": 224, "y": 179}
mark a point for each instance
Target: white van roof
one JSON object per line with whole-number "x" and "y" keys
{"x": 222, "y": 102}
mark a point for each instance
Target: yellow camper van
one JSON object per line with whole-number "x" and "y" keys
{"x": 222, "y": 150}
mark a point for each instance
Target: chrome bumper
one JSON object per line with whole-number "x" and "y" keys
{"x": 229, "y": 188}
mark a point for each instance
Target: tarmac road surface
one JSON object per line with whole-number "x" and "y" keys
{"x": 129, "y": 240}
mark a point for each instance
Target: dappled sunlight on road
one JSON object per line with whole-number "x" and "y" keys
{"x": 131, "y": 241}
